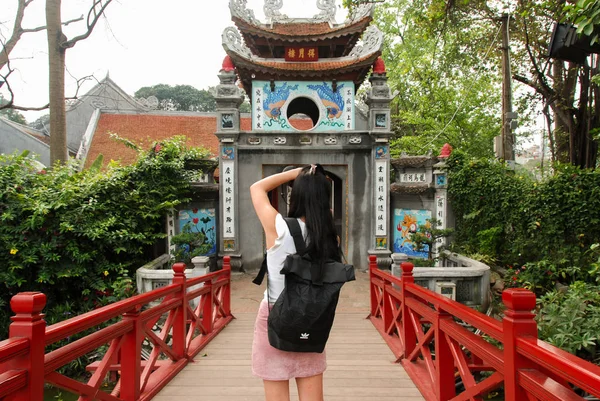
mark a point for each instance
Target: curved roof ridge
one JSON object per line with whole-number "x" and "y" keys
{"x": 240, "y": 12}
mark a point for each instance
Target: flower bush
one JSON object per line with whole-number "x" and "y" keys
{"x": 78, "y": 236}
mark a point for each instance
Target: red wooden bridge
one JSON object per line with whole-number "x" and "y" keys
{"x": 450, "y": 351}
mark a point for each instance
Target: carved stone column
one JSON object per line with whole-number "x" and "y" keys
{"x": 228, "y": 98}
{"x": 378, "y": 100}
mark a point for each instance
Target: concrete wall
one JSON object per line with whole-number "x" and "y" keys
{"x": 352, "y": 165}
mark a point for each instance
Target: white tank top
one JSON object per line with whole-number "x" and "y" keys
{"x": 284, "y": 246}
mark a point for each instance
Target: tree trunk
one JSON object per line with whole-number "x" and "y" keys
{"x": 56, "y": 62}
{"x": 562, "y": 128}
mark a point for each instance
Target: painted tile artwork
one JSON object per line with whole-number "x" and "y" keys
{"x": 201, "y": 221}
{"x": 407, "y": 222}
{"x": 270, "y": 104}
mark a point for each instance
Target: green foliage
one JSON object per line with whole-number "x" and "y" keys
{"x": 586, "y": 15}
{"x": 11, "y": 114}
{"x": 427, "y": 234}
{"x": 546, "y": 229}
{"x": 189, "y": 244}
{"x": 448, "y": 90}
{"x": 179, "y": 97}
{"x": 570, "y": 320}
{"x": 77, "y": 236}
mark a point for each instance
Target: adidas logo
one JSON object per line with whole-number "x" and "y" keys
{"x": 304, "y": 336}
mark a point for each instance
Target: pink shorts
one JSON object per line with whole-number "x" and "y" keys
{"x": 269, "y": 363}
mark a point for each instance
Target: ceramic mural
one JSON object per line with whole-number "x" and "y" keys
{"x": 407, "y": 222}
{"x": 201, "y": 221}
{"x": 270, "y": 102}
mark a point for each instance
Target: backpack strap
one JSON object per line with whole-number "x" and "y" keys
{"x": 296, "y": 232}
{"x": 261, "y": 273}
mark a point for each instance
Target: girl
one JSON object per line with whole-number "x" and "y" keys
{"x": 310, "y": 204}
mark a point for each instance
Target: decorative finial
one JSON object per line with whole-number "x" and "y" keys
{"x": 227, "y": 64}
{"x": 446, "y": 151}
{"x": 379, "y": 66}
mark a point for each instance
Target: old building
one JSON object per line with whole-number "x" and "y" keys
{"x": 304, "y": 71}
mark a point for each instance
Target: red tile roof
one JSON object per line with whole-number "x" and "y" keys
{"x": 147, "y": 128}
{"x": 303, "y": 30}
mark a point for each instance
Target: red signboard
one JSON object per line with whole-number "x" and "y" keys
{"x": 302, "y": 53}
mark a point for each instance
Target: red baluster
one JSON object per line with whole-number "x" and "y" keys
{"x": 207, "y": 307}
{"x": 518, "y": 322}
{"x": 227, "y": 294}
{"x": 131, "y": 351}
{"x": 180, "y": 320}
{"x": 28, "y": 323}
{"x": 409, "y": 335}
{"x": 372, "y": 268}
{"x": 444, "y": 361}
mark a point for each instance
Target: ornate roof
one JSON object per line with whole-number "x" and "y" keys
{"x": 280, "y": 30}
{"x": 354, "y": 66}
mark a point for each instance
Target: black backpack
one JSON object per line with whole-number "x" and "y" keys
{"x": 302, "y": 316}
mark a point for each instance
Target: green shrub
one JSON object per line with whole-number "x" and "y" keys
{"x": 570, "y": 320}
{"x": 78, "y": 236}
{"x": 545, "y": 228}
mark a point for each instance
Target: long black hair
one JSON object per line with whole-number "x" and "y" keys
{"x": 311, "y": 199}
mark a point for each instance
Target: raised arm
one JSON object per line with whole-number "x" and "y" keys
{"x": 265, "y": 212}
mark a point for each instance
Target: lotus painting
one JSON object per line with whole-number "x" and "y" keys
{"x": 200, "y": 221}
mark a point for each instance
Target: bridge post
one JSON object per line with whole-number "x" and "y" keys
{"x": 409, "y": 335}
{"x": 131, "y": 357}
{"x": 180, "y": 320}
{"x": 444, "y": 361}
{"x": 207, "y": 308}
{"x": 227, "y": 294}
{"x": 518, "y": 322}
{"x": 28, "y": 323}
{"x": 372, "y": 268}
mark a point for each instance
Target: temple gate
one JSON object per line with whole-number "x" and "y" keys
{"x": 302, "y": 78}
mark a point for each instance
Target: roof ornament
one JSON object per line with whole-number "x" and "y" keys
{"x": 362, "y": 11}
{"x": 233, "y": 40}
{"x": 327, "y": 13}
{"x": 238, "y": 9}
{"x": 372, "y": 41}
{"x": 272, "y": 13}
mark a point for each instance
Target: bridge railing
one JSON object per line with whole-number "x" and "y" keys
{"x": 119, "y": 329}
{"x": 440, "y": 344}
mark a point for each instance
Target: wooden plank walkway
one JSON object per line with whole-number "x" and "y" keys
{"x": 360, "y": 367}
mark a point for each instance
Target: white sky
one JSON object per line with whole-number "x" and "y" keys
{"x": 140, "y": 43}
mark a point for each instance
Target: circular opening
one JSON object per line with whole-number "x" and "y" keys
{"x": 303, "y": 113}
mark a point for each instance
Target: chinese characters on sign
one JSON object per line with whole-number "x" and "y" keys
{"x": 381, "y": 194}
{"x": 257, "y": 111}
{"x": 348, "y": 115}
{"x": 440, "y": 214}
{"x": 228, "y": 198}
{"x": 416, "y": 177}
{"x": 303, "y": 53}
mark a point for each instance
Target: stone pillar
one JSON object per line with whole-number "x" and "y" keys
{"x": 397, "y": 260}
{"x": 378, "y": 100}
{"x": 441, "y": 201}
{"x": 228, "y": 98}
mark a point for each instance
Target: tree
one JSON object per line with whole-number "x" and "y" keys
{"x": 12, "y": 115}
{"x": 58, "y": 44}
{"x": 9, "y": 45}
{"x": 566, "y": 91}
{"x": 446, "y": 77}
{"x": 179, "y": 97}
